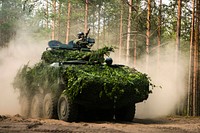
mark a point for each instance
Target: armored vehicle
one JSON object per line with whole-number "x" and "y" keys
{"x": 73, "y": 83}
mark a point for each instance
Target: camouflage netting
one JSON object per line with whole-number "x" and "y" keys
{"x": 29, "y": 79}
{"x": 112, "y": 81}
{"x": 51, "y": 56}
{"x": 91, "y": 80}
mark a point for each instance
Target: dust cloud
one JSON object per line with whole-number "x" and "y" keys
{"x": 20, "y": 51}
{"x": 171, "y": 77}
{"x": 162, "y": 102}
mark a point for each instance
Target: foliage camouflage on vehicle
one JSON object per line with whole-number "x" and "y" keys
{"x": 73, "y": 82}
{"x": 51, "y": 56}
{"x": 28, "y": 79}
{"x": 113, "y": 81}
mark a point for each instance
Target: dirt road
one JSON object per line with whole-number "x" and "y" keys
{"x": 14, "y": 124}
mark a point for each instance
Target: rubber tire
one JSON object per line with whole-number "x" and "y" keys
{"x": 125, "y": 113}
{"x": 36, "y": 106}
{"x": 67, "y": 111}
{"x": 49, "y": 106}
{"x": 24, "y": 106}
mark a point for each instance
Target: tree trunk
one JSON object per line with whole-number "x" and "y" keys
{"x": 178, "y": 32}
{"x": 177, "y": 48}
{"x": 159, "y": 34}
{"x": 93, "y": 24}
{"x": 104, "y": 29}
{"x": 198, "y": 37}
{"x": 86, "y": 15}
{"x": 148, "y": 33}
{"x": 98, "y": 30}
{"x": 191, "y": 65}
{"x": 196, "y": 60}
{"x": 59, "y": 14}
{"x": 53, "y": 21}
{"x": 121, "y": 31}
{"x": 135, "y": 36}
{"x": 195, "y": 67}
{"x": 47, "y": 14}
{"x": 128, "y": 31}
{"x": 68, "y": 21}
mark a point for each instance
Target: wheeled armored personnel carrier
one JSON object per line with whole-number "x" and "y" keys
{"x": 73, "y": 83}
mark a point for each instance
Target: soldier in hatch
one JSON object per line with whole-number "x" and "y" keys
{"x": 80, "y": 41}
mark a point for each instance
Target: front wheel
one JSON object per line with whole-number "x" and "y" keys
{"x": 66, "y": 109}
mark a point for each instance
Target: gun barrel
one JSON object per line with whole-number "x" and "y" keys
{"x": 87, "y": 33}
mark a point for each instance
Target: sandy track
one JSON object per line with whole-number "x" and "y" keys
{"x": 14, "y": 124}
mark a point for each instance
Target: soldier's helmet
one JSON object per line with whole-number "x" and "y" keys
{"x": 80, "y": 34}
